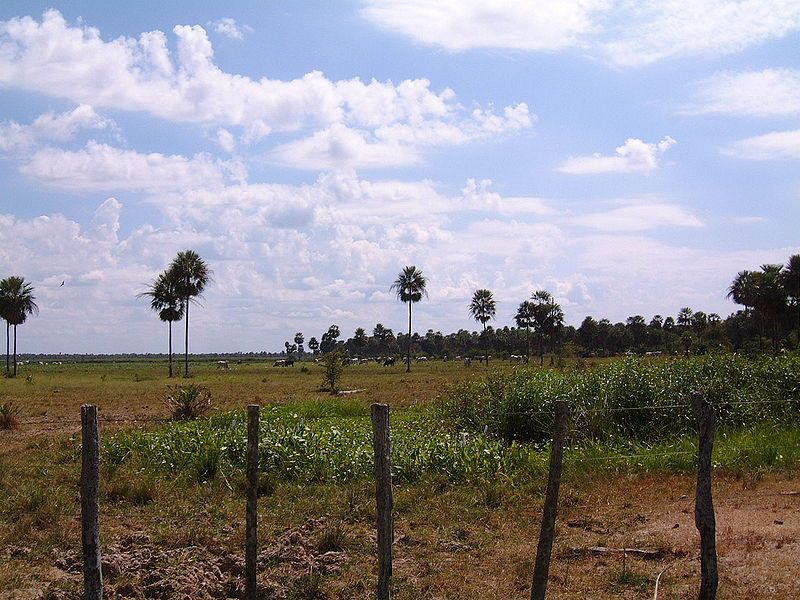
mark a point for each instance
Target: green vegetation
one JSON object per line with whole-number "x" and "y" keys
{"x": 636, "y": 399}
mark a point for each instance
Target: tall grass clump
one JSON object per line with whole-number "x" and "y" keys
{"x": 8, "y": 416}
{"x": 634, "y": 398}
{"x": 188, "y": 402}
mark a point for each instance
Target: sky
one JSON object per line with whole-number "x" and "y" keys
{"x": 629, "y": 157}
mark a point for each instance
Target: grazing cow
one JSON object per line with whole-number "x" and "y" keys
{"x": 467, "y": 362}
{"x": 422, "y": 359}
{"x": 289, "y": 362}
{"x": 223, "y": 364}
{"x": 279, "y": 363}
{"x": 388, "y": 362}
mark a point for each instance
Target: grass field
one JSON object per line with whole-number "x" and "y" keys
{"x": 467, "y": 508}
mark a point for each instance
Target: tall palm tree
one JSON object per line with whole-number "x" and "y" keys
{"x": 742, "y": 290}
{"x": 5, "y": 314}
{"x": 791, "y": 282}
{"x": 771, "y": 298}
{"x": 191, "y": 275}
{"x": 410, "y": 286}
{"x": 18, "y": 302}
{"x": 524, "y": 318}
{"x": 548, "y": 318}
{"x": 164, "y": 299}
{"x": 483, "y": 309}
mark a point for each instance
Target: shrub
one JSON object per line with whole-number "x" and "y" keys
{"x": 188, "y": 402}
{"x": 333, "y": 364}
{"x": 8, "y": 416}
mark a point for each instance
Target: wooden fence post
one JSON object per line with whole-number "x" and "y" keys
{"x": 90, "y": 506}
{"x": 547, "y": 533}
{"x": 251, "y": 543}
{"x": 704, "y": 518}
{"x": 383, "y": 494}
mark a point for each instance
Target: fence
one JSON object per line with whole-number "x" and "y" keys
{"x": 704, "y": 508}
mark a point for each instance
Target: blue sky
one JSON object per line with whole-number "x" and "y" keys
{"x": 628, "y": 157}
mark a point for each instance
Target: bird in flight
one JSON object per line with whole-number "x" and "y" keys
{"x": 62, "y": 284}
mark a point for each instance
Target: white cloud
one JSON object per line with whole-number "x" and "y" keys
{"x": 58, "y": 59}
{"x": 464, "y": 24}
{"x": 624, "y": 33}
{"x": 99, "y": 167}
{"x": 639, "y": 217}
{"x": 397, "y": 144}
{"x": 226, "y": 140}
{"x": 634, "y": 156}
{"x": 230, "y": 28}
{"x": 749, "y": 219}
{"x": 771, "y": 92}
{"x": 50, "y": 127}
{"x": 770, "y": 146}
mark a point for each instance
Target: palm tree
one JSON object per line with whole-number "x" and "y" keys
{"x": 771, "y": 298}
{"x": 5, "y": 314}
{"x": 482, "y": 309}
{"x": 742, "y": 290}
{"x": 164, "y": 299}
{"x": 791, "y": 282}
{"x": 524, "y": 318}
{"x": 191, "y": 275}
{"x": 548, "y": 318}
{"x": 410, "y": 287}
{"x": 17, "y": 304}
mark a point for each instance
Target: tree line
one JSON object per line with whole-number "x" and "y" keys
{"x": 769, "y": 320}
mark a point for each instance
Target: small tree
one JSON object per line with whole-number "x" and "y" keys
{"x": 299, "y": 339}
{"x": 313, "y": 344}
{"x": 333, "y": 364}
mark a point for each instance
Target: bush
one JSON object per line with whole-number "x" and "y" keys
{"x": 333, "y": 364}
{"x": 634, "y": 398}
{"x": 8, "y": 416}
{"x": 189, "y": 402}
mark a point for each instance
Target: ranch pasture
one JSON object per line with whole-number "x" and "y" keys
{"x": 470, "y": 463}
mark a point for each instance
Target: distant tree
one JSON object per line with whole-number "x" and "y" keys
{"x": 771, "y": 298}
{"x": 685, "y": 317}
{"x": 524, "y": 318}
{"x": 290, "y": 349}
{"x": 313, "y": 344}
{"x": 743, "y": 290}
{"x": 165, "y": 300}
{"x": 483, "y": 308}
{"x": 360, "y": 338}
{"x": 299, "y": 339}
{"x": 191, "y": 274}
{"x": 6, "y": 315}
{"x": 548, "y": 318}
{"x": 17, "y": 303}
{"x": 657, "y": 322}
{"x": 410, "y": 286}
{"x": 669, "y": 324}
{"x": 333, "y": 364}
{"x": 329, "y": 338}
{"x": 637, "y": 327}
{"x": 791, "y": 282}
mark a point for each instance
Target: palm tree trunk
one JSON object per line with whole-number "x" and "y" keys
{"x": 15, "y": 350}
{"x": 485, "y": 348}
{"x": 8, "y": 347}
{"x": 186, "y": 342}
{"x": 170, "y": 348}
{"x": 408, "y": 357}
{"x": 527, "y": 345}
{"x": 541, "y": 350}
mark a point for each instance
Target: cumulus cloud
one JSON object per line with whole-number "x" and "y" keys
{"x": 369, "y": 119}
{"x": 625, "y": 34}
{"x": 50, "y": 127}
{"x": 639, "y": 217}
{"x": 397, "y": 144}
{"x": 100, "y": 167}
{"x": 767, "y": 93}
{"x": 634, "y": 156}
{"x": 230, "y": 28}
{"x": 770, "y": 146}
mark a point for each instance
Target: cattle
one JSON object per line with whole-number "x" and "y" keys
{"x": 284, "y": 362}
{"x": 388, "y": 362}
{"x": 223, "y": 364}
{"x": 467, "y": 362}
{"x": 517, "y": 358}
{"x": 422, "y": 359}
